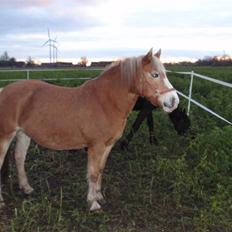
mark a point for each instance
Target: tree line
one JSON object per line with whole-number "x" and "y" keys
{"x": 7, "y": 61}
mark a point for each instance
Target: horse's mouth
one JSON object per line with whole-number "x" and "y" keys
{"x": 168, "y": 109}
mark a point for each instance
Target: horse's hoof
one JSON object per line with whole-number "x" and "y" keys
{"x": 27, "y": 189}
{"x": 95, "y": 207}
{"x": 98, "y": 211}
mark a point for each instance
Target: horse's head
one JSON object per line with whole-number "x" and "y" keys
{"x": 155, "y": 84}
{"x": 180, "y": 120}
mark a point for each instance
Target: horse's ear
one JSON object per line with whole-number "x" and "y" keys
{"x": 158, "y": 53}
{"x": 148, "y": 57}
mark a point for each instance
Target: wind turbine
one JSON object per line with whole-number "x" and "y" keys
{"x": 55, "y": 52}
{"x": 51, "y": 44}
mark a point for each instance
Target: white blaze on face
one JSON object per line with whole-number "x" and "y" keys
{"x": 169, "y": 100}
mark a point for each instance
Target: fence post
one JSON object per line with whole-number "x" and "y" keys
{"x": 28, "y": 74}
{"x": 190, "y": 92}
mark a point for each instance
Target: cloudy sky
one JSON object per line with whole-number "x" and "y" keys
{"x": 110, "y": 29}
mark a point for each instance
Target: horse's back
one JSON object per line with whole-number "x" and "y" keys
{"x": 44, "y": 111}
{"x": 25, "y": 86}
{"x": 16, "y": 97}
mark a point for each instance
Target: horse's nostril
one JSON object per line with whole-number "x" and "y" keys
{"x": 167, "y": 105}
{"x": 173, "y": 101}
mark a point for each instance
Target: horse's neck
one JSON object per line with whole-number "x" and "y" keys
{"x": 117, "y": 93}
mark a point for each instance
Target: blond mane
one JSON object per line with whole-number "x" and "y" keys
{"x": 131, "y": 70}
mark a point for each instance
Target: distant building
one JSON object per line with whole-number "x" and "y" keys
{"x": 12, "y": 64}
{"x": 63, "y": 64}
{"x": 101, "y": 63}
{"x": 57, "y": 64}
{"x": 226, "y": 57}
{"x": 20, "y": 64}
{"x": 223, "y": 58}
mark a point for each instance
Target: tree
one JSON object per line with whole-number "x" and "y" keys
{"x": 30, "y": 62}
{"x": 4, "y": 56}
{"x": 83, "y": 61}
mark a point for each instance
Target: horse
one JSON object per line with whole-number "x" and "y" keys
{"x": 91, "y": 116}
{"x": 178, "y": 117}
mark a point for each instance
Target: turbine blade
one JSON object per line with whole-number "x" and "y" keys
{"x": 53, "y": 40}
{"x": 45, "y": 43}
{"x": 49, "y": 33}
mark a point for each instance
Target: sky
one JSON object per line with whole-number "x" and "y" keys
{"x": 112, "y": 29}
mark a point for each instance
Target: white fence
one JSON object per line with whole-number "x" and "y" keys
{"x": 191, "y": 74}
{"x": 29, "y": 71}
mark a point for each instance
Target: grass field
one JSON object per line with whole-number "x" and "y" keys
{"x": 183, "y": 184}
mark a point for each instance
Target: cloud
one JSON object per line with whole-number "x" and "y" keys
{"x": 119, "y": 28}
{"x": 37, "y": 19}
{"x": 24, "y": 3}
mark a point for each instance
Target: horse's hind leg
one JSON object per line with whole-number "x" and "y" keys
{"x": 4, "y": 145}
{"x": 97, "y": 156}
{"x": 22, "y": 145}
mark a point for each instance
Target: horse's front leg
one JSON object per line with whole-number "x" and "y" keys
{"x": 97, "y": 156}
{"x": 136, "y": 125}
{"x": 150, "y": 125}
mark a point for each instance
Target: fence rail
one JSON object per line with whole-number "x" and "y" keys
{"x": 192, "y": 75}
{"x": 191, "y": 100}
{"x": 48, "y": 79}
{"x": 204, "y": 77}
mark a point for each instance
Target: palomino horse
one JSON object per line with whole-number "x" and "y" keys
{"x": 92, "y": 115}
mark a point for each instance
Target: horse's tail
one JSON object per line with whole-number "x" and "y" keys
{"x": 5, "y": 166}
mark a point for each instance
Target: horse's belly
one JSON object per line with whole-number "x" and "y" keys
{"x": 57, "y": 143}
{"x": 57, "y": 140}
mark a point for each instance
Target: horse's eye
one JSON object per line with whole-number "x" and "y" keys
{"x": 155, "y": 75}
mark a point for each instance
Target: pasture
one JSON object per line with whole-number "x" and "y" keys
{"x": 182, "y": 184}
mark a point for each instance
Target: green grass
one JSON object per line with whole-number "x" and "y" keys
{"x": 56, "y": 74}
{"x": 181, "y": 184}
